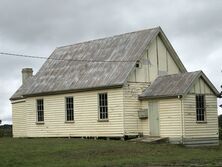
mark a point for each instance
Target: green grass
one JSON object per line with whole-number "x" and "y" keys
{"x": 59, "y": 152}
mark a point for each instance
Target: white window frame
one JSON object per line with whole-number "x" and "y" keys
{"x": 106, "y": 118}
{"x": 73, "y": 115}
{"x": 37, "y": 111}
{"x": 200, "y": 108}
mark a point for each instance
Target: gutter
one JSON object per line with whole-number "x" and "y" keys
{"x": 66, "y": 91}
{"x": 155, "y": 97}
{"x": 18, "y": 101}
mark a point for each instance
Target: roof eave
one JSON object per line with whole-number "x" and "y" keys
{"x": 17, "y": 98}
{"x": 157, "y": 97}
{"x": 67, "y": 91}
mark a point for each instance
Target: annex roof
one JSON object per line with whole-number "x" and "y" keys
{"x": 175, "y": 85}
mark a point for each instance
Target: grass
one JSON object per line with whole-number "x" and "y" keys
{"x": 59, "y": 152}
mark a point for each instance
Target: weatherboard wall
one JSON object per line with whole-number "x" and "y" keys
{"x": 170, "y": 114}
{"x": 85, "y": 116}
{"x": 207, "y": 128}
{"x": 19, "y": 119}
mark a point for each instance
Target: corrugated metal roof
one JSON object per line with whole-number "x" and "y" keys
{"x": 174, "y": 85}
{"x": 124, "y": 50}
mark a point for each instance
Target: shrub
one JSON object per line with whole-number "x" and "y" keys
{"x": 6, "y": 131}
{"x": 220, "y": 121}
{"x": 1, "y": 133}
{"x": 220, "y": 133}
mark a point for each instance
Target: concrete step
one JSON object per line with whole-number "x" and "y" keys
{"x": 151, "y": 139}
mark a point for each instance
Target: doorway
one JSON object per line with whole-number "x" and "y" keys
{"x": 154, "y": 118}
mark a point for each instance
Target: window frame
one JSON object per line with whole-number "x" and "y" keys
{"x": 204, "y": 109}
{"x": 37, "y": 111}
{"x": 107, "y": 108}
{"x": 66, "y": 120}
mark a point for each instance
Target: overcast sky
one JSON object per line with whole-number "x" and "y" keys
{"x": 37, "y": 27}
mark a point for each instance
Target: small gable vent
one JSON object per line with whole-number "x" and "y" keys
{"x": 138, "y": 64}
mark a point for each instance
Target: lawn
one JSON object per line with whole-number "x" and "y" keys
{"x": 58, "y": 152}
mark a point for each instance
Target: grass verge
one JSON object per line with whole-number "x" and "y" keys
{"x": 56, "y": 152}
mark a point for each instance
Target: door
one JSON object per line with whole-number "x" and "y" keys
{"x": 154, "y": 118}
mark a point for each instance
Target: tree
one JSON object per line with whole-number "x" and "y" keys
{"x": 220, "y": 120}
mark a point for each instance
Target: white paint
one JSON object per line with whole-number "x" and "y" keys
{"x": 154, "y": 118}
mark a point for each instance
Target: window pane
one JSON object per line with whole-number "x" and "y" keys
{"x": 69, "y": 109}
{"x": 103, "y": 106}
{"x": 40, "y": 110}
{"x": 200, "y": 107}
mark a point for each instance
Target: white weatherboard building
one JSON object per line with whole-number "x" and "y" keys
{"x": 119, "y": 86}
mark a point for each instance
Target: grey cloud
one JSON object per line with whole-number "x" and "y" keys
{"x": 41, "y": 21}
{"x": 37, "y": 27}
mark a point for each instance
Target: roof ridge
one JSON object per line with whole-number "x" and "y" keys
{"x": 93, "y": 40}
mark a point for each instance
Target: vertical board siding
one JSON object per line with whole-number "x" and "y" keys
{"x": 85, "y": 116}
{"x": 157, "y": 52}
{"x": 198, "y": 130}
{"x": 141, "y": 73}
{"x": 19, "y": 119}
{"x": 162, "y": 54}
{"x": 170, "y": 118}
{"x": 152, "y": 53}
{"x": 201, "y": 87}
{"x": 172, "y": 67}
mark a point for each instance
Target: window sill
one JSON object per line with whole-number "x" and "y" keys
{"x": 201, "y": 122}
{"x": 40, "y": 123}
{"x": 69, "y": 122}
{"x": 103, "y": 120}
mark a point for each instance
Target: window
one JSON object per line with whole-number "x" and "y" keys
{"x": 40, "y": 110}
{"x": 200, "y": 107}
{"x": 69, "y": 109}
{"x": 103, "y": 106}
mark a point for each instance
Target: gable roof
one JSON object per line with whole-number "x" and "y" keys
{"x": 101, "y": 63}
{"x": 175, "y": 85}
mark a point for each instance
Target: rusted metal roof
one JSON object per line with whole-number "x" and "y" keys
{"x": 174, "y": 85}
